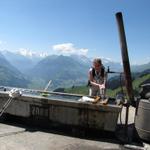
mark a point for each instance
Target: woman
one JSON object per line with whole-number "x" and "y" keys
{"x": 97, "y": 79}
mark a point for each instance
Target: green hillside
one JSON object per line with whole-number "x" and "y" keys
{"x": 112, "y": 93}
{"x": 77, "y": 90}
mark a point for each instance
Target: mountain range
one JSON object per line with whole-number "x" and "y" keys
{"x": 64, "y": 71}
{"x": 11, "y": 76}
{"x": 22, "y": 60}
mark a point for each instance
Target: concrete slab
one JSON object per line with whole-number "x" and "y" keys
{"x": 6, "y": 130}
{"x": 13, "y": 137}
{"x": 46, "y": 141}
{"x": 38, "y": 140}
{"x": 22, "y": 139}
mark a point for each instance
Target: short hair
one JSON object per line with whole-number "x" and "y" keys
{"x": 97, "y": 60}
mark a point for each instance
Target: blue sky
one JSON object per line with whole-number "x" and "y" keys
{"x": 76, "y": 26}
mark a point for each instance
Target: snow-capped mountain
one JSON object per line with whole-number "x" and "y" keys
{"x": 114, "y": 66}
{"x": 23, "y": 60}
{"x": 82, "y": 59}
{"x": 31, "y": 54}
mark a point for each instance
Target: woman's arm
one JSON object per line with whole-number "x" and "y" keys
{"x": 91, "y": 79}
{"x": 93, "y": 83}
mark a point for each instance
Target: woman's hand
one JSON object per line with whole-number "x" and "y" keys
{"x": 102, "y": 86}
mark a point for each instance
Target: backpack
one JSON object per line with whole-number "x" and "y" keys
{"x": 93, "y": 74}
{"x": 102, "y": 71}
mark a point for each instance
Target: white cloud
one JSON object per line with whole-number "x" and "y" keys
{"x": 84, "y": 51}
{"x": 68, "y": 49}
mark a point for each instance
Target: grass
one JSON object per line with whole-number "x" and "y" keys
{"x": 111, "y": 93}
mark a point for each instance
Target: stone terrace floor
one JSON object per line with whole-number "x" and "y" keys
{"x": 14, "y": 136}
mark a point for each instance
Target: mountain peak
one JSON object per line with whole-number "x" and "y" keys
{"x": 29, "y": 53}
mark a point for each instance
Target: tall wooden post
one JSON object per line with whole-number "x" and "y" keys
{"x": 125, "y": 58}
{"x": 126, "y": 67}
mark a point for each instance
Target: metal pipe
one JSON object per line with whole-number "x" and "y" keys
{"x": 125, "y": 58}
